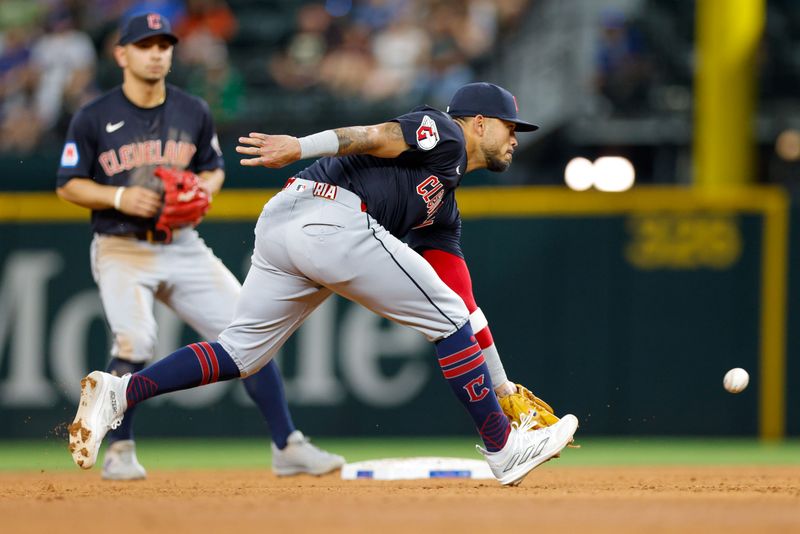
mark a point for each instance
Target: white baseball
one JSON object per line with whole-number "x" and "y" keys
{"x": 736, "y": 380}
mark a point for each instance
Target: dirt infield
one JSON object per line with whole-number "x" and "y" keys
{"x": 568, "y": 499}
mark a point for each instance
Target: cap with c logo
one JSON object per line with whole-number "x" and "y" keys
{"x": 489, "y": 100}
{"x": 144, "y": 26}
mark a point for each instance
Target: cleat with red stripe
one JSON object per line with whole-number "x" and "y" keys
{"x": 101, "y": 408}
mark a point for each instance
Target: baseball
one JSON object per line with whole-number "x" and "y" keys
{"x": 736, "y": 380}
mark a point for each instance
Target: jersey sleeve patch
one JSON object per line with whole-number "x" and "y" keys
{"x": 70, "y": 156}
{"x": 427, "y": 134}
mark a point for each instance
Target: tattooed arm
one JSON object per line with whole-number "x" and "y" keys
{"x": 383, "y": 140}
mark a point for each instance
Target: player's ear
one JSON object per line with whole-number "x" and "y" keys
{"x": 479, "y": 125}
{"x": 120, "y": 56}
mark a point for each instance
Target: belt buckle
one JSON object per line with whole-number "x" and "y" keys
{"x": 156, "y": 238}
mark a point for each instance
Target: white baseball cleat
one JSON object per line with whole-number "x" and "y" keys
{"x": 100, "y": 409}
{"x": 121, "y": 463}
{"x": 300, "y": 456}
{"x": 527, "y": 449}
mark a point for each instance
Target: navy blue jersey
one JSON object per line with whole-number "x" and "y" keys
{"x": 443, "y": 234}
{"x": 413, "y": 194}
{"x": 114, "y": 142}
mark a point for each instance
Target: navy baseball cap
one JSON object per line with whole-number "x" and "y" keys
{"x": 144, "y": 26}
{"x": 489, "y": 100}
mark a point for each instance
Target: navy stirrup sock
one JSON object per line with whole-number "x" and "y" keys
{"x": 119, "y": 367}
{"x": 266, "y": 389}
{"x": 464, "y": 368}
{"x": 191, "y": 366}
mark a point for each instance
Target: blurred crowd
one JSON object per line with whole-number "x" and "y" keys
{"x": 644, "y": 65}
{"x": 55, "y": 55}
{"x": 249, "y": 57}
{"x": 386, "y": 49}
{"x": 624, "y": 73}
{"x": 46, "y": 65}
{"x": 645, "y": 58}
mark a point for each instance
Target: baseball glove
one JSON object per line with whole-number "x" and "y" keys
{"x": 185, "y": 202}
{"x": 523, "y": 401}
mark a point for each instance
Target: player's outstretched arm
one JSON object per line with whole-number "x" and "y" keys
{"x": 383, "y": 140}
{"x": 272, "y": 151}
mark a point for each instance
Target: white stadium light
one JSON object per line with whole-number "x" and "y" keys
{"x": 609, "y": 173}
{"x": 579, "y": 174}
{"x": 614, "y": 174}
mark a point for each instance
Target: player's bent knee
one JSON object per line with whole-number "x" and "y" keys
{"x": 245, "y": 360}
{"x": 454, "y": 323}
{"x": 464, "y": 329}
{"x": 135, "y": 348}
{"x": 451, "y": 314}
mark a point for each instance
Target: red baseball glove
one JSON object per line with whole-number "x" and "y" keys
{"x": 185, "y": 202}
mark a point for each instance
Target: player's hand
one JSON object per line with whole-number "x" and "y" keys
{"x": 140, "y": 202}
{"x": 206, "y": 187}
{"x": 273, "y": 151}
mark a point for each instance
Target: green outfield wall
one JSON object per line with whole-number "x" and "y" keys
{"x": 625, "y": 309}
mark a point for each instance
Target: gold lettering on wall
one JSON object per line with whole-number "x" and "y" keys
{"x": 684, "y": 241}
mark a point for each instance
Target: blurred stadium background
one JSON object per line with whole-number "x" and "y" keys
{"x": 640, "y": 246}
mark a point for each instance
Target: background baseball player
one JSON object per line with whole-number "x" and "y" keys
{"x": 334, "y": 228}
{"x": 124, "y": 152}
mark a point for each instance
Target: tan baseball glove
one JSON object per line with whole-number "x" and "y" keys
{"x": 524, "y": 401}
